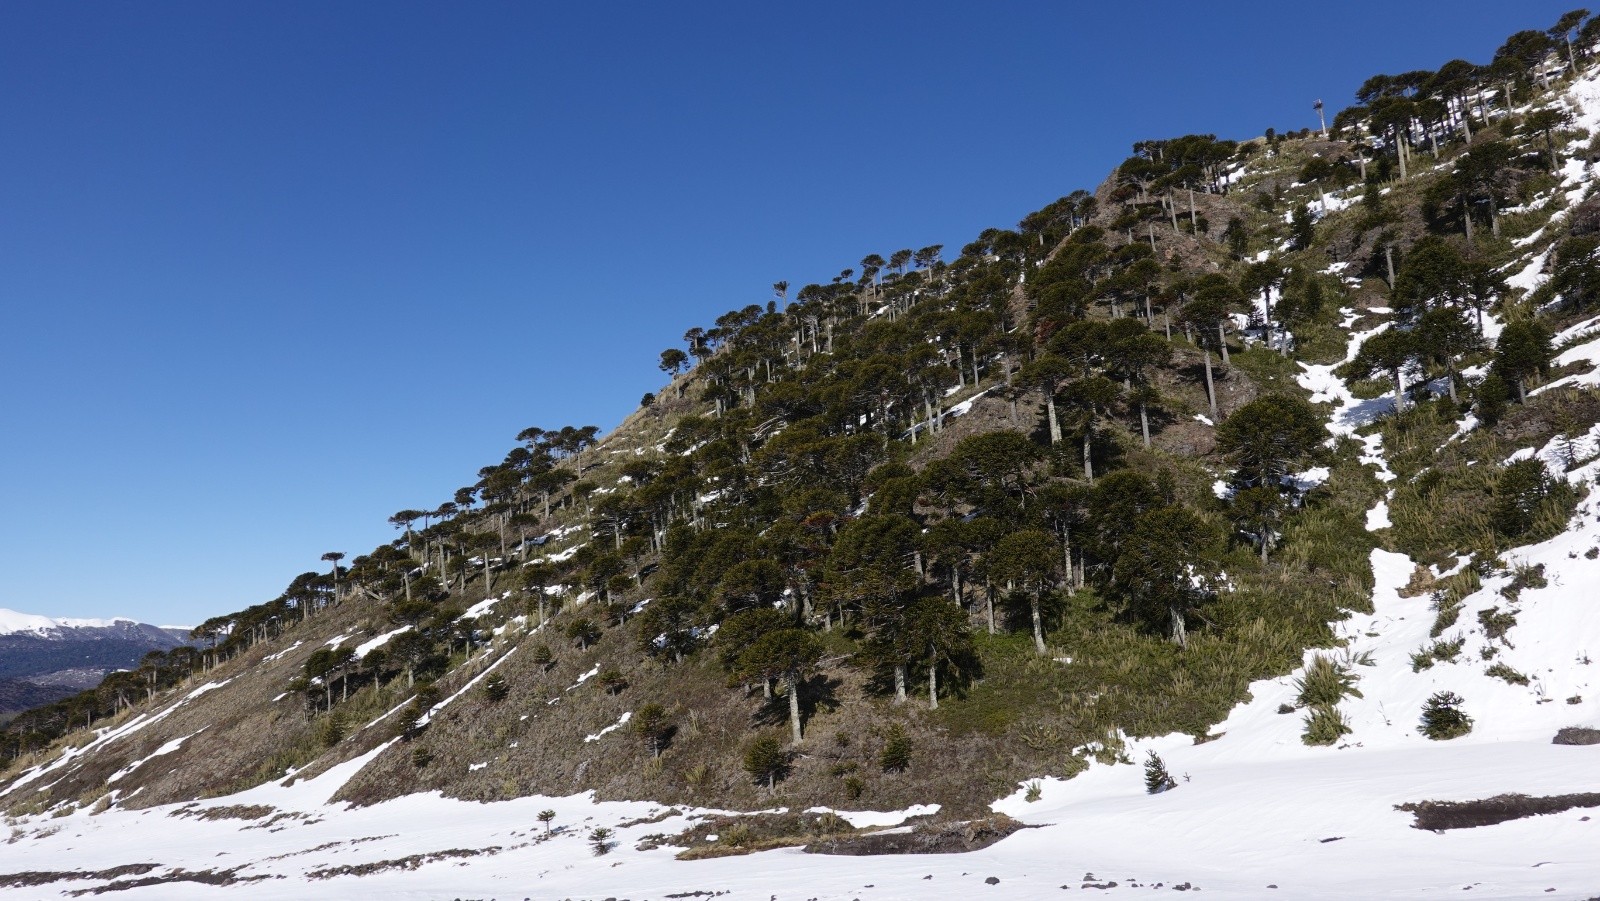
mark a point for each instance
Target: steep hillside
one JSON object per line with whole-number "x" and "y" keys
{"x": 1267, "y": 465}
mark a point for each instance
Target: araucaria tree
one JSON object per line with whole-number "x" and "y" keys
{"x": 1267, "y": 436}
{"x": 1168, "y": 568}
{"x": 790, "y": 655}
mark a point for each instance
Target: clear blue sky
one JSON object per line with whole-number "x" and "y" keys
{"x": 272, "y": 271}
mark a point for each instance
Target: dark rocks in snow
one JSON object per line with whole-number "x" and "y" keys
{"x": 1577, "y": 735}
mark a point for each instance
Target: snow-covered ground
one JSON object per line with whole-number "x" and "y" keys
{"x": 1256, "y": 812}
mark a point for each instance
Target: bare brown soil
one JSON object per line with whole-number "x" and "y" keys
{"x": 1439, "y": 816}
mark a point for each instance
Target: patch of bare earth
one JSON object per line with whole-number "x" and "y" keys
{"x": 1439, "y": 816}
{"x": 924, "y": 838}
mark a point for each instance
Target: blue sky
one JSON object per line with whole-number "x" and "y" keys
{"x": 272, "y": 271}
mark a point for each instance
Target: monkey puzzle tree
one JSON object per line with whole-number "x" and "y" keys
{"x": 334, "y": 557}
{"x": 1576, "y": 271}
{"x": 1258, "y": 511}
{"x": 1204, "y": 317}
{"x": 1266, "y": 436}
{"x": 1522, "y": 353}
{"x": 1167, "y": 567}
{"x": 1546, "y": 122}
{"x": 1391, "y": 353}
{"x": 1134, "y": 353}
{"x": 789, "y": 655}
{"x": 1443, "y": 334}
{"x": 938, "y": 631}
{"x": 653, "y": 723}
{"x": 1048, "y": 373}
{"x": 668, "y": 626}
{"x": 673, "y": 361}
{"x": 1026, "y": 559}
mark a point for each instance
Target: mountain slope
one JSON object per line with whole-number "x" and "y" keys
{"x": 1395, "y": 613}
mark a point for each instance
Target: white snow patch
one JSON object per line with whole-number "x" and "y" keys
{"x": 611, "y": 728}
{"x": 167, "y": 748}
{"x": 367, "y": 647}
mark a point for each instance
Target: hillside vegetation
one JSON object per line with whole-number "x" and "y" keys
{"x": 949, "y": 520}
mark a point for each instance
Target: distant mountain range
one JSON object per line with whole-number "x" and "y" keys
{"x": 43, "y": 659}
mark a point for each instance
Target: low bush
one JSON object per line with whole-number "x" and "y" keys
{"x": 1443, "y": 718}
{"x": 1325, "y": 683}
{"x": 1325, "y": 725}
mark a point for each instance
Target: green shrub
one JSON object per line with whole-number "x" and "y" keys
{"x": 1502, "y": 671}
{"x": 495, "y": 688}
{"x": 330, "y": 730}
{"x": 612, "y": 681}
{"x": 1443, "y": 718}
{"x": 766, "y": 760}
{"x": 1528, "y": 503}
{"x": 854, "y": 787}
{"x": 1156, "y": 777}
{"x": 1522, "y": 577}
{"x": 896, "y": 753}
{"x": 1496, "y": 622}
{"x": 1325, "y": 725}
{"x": 1447, "y": 610}
{"x": 1441, "y": 651}
{"x": 1035, "y": 791}
{"x": 1325, "y": 683}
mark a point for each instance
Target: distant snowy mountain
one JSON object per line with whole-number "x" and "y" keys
{"x": 44, "y": 658}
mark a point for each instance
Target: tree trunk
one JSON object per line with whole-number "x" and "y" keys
{"x": 1038, "y": 625}
{"x": 1222, "y": 343}
{"x": 933, "y": 681}
{"x": 1399, "y": 391}
{"x": 988, "y": 596}
{"x": 794, "y": 706}
{"x": 1180, "y": 631}
{"x": 899, "y": 683}
{"x": 1088, "y": 460}
{"x": 1211, "y": 389}
{"x": 1494, "y": 217}
{"x": 1055, "y": 424}
{"x": 1144, "y": 424}
{"x": 1066, "y": 558}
